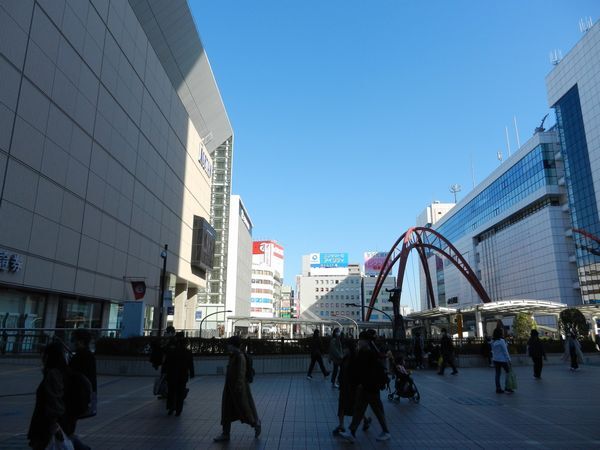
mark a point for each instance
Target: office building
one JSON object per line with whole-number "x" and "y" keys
{"x": 512, "y": 230}
{"x": 109, "y": 117}
{"x": 267, "y": 279}
{"x": 574, "y": 92}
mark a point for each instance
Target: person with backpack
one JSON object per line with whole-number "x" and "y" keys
{"x": 50, "y": 407}
{"x": 536, "y": 352}
{"x": 237, "y": 401}
{"x": 368, "y": 374}
{"x": 179, "y": 367}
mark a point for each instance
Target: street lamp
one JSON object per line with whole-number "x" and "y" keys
{"x": 161, "y": 302}
{"x": 207, "y": 316}
{"x": 352, "y": 320}
{"x": 356, "y": 305}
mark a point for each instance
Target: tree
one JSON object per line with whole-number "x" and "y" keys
{"x": 572, "y": 320}
{"x": 522, "y": 325}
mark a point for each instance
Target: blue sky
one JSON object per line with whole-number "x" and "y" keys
{"x": 351, "y": 116}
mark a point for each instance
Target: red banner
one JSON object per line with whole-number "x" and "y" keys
{"x": 139, "y": 289}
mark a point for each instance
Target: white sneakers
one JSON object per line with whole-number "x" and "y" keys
{"x": 383, "y": 437}
{"x": 347, "y": 435}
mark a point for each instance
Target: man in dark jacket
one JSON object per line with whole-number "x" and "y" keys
{"x": 368, "y": 374}
{"x": 179, "y": 367}
{"x": 536, "y": 352}
{"x": 447, "y": 353}
{"x": 315, "y": 355}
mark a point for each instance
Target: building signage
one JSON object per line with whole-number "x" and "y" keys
{"x": 199, "y": 316}
{"x": 10, "y": 262}
{"x": 205, "y": 161}
{"x": 374, "y": 263}
{"x": 329, "y": 260}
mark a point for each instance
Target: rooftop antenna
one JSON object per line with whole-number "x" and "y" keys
{"x": 541, "y": 128}
{"x": 517, "y": 132}
{"x": 507, "y": 140}
{"x": 472, "y": 171}
{"x": 555, "y": 56}
{"x": 585, "y": 24}
{"x": 454, "y": 189}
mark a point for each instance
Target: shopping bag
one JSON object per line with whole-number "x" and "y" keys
{"x": 511, "y": 380}
{"x": 440, "y": 361}
{"x": 60, "y": 441}
{"x": 160, "y": 386}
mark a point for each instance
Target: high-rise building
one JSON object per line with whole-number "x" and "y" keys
{"x": 511, "y": 230}
{"x": 433, "y": 213}
{"x": 287, "y": 301}
{"x": 573, "y": 91}
{"x": 109, "y": 117}
{"x": 267, "y": 279}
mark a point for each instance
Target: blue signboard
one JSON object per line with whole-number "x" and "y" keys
{"x": 329, "y": 260}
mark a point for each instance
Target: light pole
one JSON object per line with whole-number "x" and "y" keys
{"x": 161, "y": 302}
{"x": 352, "y": 320}
{"x": 207, "y": 316}
{"x": 356, "y": 305}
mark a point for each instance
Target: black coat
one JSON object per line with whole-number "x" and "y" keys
{"x": 49, "y": 408}
{"x": 347, "y": 387}
{"x": 535, "y": 347}
{"x": 447, "y": 346}
{"x": 179, "y": 365}
{"x": 84, "y": 362}
{"x": 368, "y": 371}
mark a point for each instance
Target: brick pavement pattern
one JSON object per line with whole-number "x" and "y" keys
{"x": 560, "y": 411}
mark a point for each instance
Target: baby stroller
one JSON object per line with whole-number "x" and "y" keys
{"x": 404, "y": 387}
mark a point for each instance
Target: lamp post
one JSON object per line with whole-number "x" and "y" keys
{"x": 207, "y": 316}
{"x": 352, "y": 320}
{"x": 356, "y": 305}
{"x": 161, "y": 301}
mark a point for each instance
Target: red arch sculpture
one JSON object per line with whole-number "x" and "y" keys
{"x": 421, "y": 239}
{"x": 591, "y": 237}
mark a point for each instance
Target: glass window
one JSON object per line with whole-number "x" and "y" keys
{"x": 20, "y": 309}
{"x": 77, "y": 313}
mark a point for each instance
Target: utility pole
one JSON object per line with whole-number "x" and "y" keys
{"x": 161, "y": 301}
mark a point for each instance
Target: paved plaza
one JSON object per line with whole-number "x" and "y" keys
{"x": 560, "y": 411}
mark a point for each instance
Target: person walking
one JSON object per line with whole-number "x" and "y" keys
{"x": 335, "y": 356}
{"x": 179, "y": 367}
{"x": 418, "y": 348}
{"x": 347, "y": 397}
{"x": 315, "y": 355}
{"x": 447, "y": 349}
{"x": 83, "y": 362}
{"x": 50, "y": 406}
{"x": 501, "y": 358}
{"x": 237, "y": 402}
{"x": 535, "y": 349}
{"x": 368, "y": 374}
{"x": 573, "y": 351}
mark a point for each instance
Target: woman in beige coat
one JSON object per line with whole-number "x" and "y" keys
{"x": 237, "y": 403}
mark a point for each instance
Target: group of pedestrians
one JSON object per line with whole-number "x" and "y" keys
{"x": 66, "y": 394}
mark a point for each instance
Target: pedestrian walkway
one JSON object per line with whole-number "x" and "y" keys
{"x": 463, "y": 411}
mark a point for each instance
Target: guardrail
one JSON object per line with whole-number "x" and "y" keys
{"x": 32, "y": 340}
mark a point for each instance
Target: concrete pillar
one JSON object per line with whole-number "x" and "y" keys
{"x": 478, "y": 324}
{"x": 51, "y": 311}
{"x": 291, "y": 330}
{"x": 260, "y": 330}
{"x": 594, "y": 327}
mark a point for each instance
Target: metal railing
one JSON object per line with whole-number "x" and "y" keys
{"x": 33, "y": 340}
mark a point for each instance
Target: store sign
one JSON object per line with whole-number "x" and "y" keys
{"x": 374, "y": 262}
{"x": 329, "y": 260}
{"x": 205, "y": 161}
{"x": 10, "y": 262}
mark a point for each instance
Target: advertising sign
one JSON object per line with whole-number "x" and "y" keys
{"x": 199, "y": 315}
{"x": 374, "y": 262}
{"x": 269, "y": 253}
{"x": 328, "y": 260}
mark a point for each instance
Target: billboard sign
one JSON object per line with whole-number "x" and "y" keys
{"x": 328, "y": 260}
{"x": 374, "y": 262}
{"x": 269, "y": 253}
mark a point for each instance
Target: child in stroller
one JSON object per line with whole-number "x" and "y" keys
{"x": 404, "y": 385}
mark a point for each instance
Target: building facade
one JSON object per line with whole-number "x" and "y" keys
{"x": 267, "y": 279}
{"x": 574, "y": 92}
{"x": 104, "y": 115}
{"x": 512, "y": 230}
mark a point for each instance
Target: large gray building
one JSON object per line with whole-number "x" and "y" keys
{"x": 109, "y": 117}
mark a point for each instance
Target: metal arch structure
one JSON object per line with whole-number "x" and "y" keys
{"x": 595, "y": 250}
{"x": 421, "y": 239}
